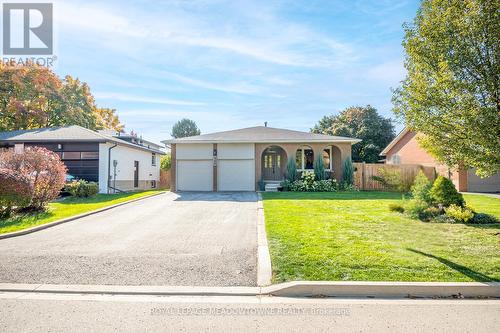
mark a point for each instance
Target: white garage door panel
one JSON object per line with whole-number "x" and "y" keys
{"x": 190, "y": 151}
{"x": 194, "y": 175}
{"x": 478, "y": 184}
{"x": 236, "y": 175}
{"x": 237, "y": 151}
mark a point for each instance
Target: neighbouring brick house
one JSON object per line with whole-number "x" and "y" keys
{"x": 405, "y": 149}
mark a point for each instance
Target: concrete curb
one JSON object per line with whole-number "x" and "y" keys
{"x": 289, "y": 289}
{"x": 384, "y": 289}
{"x": 264, "y": 268}
{"x": 71, "y": 218}
{"x": 130, "y": 290}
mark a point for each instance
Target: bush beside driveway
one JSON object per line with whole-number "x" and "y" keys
{"x": 353, "y": 236}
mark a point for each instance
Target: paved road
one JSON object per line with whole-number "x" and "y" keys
{"x": 205, "y": 239}
{"x": 100, "y": 313}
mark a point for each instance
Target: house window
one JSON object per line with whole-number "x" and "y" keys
{"x": 153, "y": 159}
{"x": 304, "y": 158}
{"x": 396, "y": 159}
{"x": 153, "y": 184}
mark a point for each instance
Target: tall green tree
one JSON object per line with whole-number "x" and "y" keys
{"x": 185, "y": 127}
{"x": 451, "y": 91}
{"x": 32, "y": 96}
{"x": 363, "y": 123}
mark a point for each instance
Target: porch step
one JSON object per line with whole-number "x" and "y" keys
{"x": 272, "y": 187}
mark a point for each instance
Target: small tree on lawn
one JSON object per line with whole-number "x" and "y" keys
{"x": 444, "y": 193}
{"x": 421, "y": 187}
{"x": 44, "y": 169}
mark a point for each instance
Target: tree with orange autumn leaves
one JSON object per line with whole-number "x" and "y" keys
{"x": 33, "y": 96}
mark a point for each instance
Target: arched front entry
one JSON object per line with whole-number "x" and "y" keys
{"x": 273, "y": 164}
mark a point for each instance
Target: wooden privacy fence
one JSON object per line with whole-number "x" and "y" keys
{"x": 364, "y": 172}
{"x": 164, "y": 178}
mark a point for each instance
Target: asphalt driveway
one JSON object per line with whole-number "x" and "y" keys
{"x": 205, "y": 239}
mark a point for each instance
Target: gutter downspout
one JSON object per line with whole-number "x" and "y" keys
{"x": 109, "y": 165}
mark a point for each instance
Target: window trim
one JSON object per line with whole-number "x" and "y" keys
{"x": 153, "y": 159}
{"x": 301, "y": 167}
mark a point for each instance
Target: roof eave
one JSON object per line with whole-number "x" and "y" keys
{"x": 174, "y": 141}
{"x": 52, "y": 140}
{"x": 394, "y": 142}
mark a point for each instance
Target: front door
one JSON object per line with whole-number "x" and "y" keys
{"x": 136, "y": 173}
{"x": 272, "y": 166}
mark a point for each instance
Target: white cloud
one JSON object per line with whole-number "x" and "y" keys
{"x": 240, "y": 88}
{"x": 144, "y": 99}
{"x": 277, "y": 42}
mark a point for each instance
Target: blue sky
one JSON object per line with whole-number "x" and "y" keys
{"x": 232, "y": 64}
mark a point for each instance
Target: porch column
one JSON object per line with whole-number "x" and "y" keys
{"x": 340, "y": 153}
{"x": 173, "y": 168}
{"x": 215, "y": 165}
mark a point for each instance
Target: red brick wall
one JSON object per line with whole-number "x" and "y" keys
{"x": 409, "y": 151}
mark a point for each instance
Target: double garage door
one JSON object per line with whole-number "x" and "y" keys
{"x": 234, "y": 166}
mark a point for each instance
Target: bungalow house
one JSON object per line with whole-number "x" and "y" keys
{"x": 239, "y": 160}
{"x": 405, "y": 149}
{"x": 117, "y": 161}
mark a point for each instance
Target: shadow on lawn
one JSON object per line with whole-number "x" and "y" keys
{"x": 347, "y": 195}
{"x": 476, "y": 276}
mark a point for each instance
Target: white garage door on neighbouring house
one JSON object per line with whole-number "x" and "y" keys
{"x": 194, "y": 167}
{"x": 235, "y": 167}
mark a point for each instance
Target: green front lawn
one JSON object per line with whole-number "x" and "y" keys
{"x": 483, "y": 204}
{"x": 353, "y": 236}
{"x": 67, "y": 207}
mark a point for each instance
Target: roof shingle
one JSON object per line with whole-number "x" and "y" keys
{"x": 262, "y": 134}
{"x": 66, "y": 133}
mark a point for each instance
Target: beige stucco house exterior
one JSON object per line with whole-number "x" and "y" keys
{"x": 405, "y": 149}
{"x": 239, "y": 160}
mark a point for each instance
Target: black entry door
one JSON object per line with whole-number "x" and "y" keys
{"x": 136, "y": 173}
{"x": 272, "y": 166}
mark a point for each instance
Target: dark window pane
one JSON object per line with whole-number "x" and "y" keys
{"x": 309, "y": 158}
